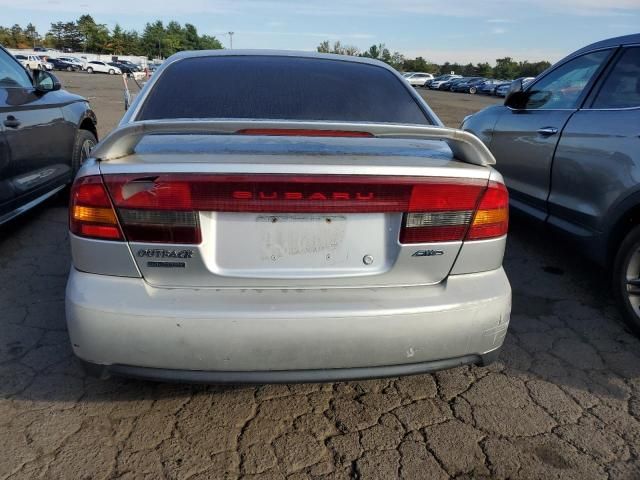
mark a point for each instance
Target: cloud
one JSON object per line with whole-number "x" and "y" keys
{"x": 494, "y": 9}
{"x": 498, "y": 31}
{"x": 499, "y": 20}
{"x": 323, "y": 35}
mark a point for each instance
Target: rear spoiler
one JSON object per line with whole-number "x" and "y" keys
{"x": 124, "y": 139}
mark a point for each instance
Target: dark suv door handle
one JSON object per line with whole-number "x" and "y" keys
{"x": 547, "y": 131}
{"x": 11, "y": 122}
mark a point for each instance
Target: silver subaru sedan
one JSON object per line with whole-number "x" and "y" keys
{"x": 315, "y": 222}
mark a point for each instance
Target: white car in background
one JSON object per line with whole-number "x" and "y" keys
{"x": 418, "y": 79}
{"x": 32, "y": 62}
{"x": 435, "y": 85}
{"x": 75, "y": 60}
{"x": 47, "y": 65}
{"x": 102, "y": 67}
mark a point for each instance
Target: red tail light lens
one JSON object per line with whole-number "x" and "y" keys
{"x": 293, "y": 193}
{"x": 492, "y": 216}
{"x": 164, "y": 207}
{"x": 91, "y": 213}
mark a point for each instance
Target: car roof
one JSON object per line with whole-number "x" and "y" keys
{"x": 275, "y": 53}
{"x": 610, "y": 42}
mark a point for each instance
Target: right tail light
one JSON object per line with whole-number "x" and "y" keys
{"x": 491, "y": 219}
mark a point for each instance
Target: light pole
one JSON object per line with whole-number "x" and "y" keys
{"x": 230, "y": 40}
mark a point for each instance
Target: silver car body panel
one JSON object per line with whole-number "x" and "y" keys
{"x": 124, "y": 321}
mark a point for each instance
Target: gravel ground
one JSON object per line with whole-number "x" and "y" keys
{"x": 563, "y": 401}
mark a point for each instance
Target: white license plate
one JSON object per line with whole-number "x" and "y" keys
{"x": 297, "y": 245}
{"x": 302, "y": 236}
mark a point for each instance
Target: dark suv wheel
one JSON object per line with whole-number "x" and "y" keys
{"x": 85, "y": 141}
{"x": 626, "y": 279}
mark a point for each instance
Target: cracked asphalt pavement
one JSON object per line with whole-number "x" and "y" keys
{"x": 563, "y": 401}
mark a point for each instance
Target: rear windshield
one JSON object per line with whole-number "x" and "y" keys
{"x": 285, "y": 88}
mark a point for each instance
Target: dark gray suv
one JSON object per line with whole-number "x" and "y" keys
{"x": 568, "y": 146}
{"x": 46, "y": 133}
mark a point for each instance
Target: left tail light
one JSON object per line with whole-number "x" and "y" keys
{"x": 91, "y": 213}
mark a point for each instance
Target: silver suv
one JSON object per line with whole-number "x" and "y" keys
{"x": 314, "y": 223}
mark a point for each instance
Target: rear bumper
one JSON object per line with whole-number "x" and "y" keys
{"x": 284, "y": 376}
{"x": 123, "y": 326}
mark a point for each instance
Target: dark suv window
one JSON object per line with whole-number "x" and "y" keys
{"x": 622, "y": 87}
{"x": 11, "y": 73}
{"x": 272, "y": 87}
{"x": 561, "y": 89}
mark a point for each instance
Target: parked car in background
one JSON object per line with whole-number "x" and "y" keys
{"x": 96, "y": 66}
{"x": 469, "y": 85}
{"x": 418, "y": 79}
{"x": 448, "y": 86}
{"x": 59, "y": 64}
{"x": 32, "y": 62}
{"x": 437, "y": 82}
{"x": 245, "y": 234}
{"x": 39, "y": 49}
{"x": 133, "y": 66}
{"x": 82, "y": 63}
{"x": 407, "y": 74}
{"x": 503, "y": 90}
{"x": 489, "y": 87}
{"x": 45, "y": 135}
{"x": 568, "y": 145}
{"x": 45, "y": 62}
{"x": 126, "y": 69}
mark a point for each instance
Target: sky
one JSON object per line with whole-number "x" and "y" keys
{"x": 438, "y": 30}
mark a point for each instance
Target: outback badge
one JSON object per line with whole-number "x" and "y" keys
{"x": 162, "y": 253}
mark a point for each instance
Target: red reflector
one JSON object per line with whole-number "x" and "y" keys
{"x": 90, "y": 211}
{"x": 432, "y": 234}
{"x": 295, "y": 132}
{"x": 100, "y": 231}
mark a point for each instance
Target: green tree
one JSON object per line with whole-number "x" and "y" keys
{"x": 5, "y": 37}
{"x": 31, "y": 34}
{"x": 338, "y": 48}
{"x": 131, "y": 43}
{"x": 93, "y": 36}
{"x": 484, "y": 69}
{"x": 190, "y": 38}
{"x": 527, "y": 69}
{"x": 71, "y": 36}
{"x": 208, "y": 42}
{"x": 152, "y": 39}
{"x": 57, "y": 33}
{"x": 419, "y": 64}
{"x": 116, "y": 43}
{"x": 324, "y": 47}
{"x": 374, "y": 51}
{"x": 506, "y": 68}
